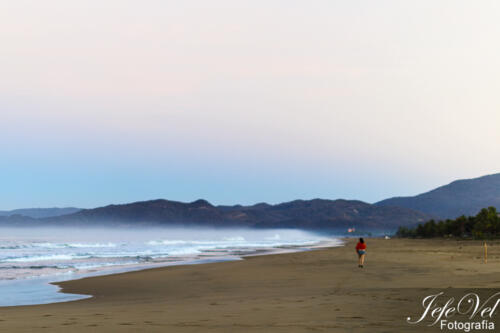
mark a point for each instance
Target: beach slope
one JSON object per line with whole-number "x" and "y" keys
{"x": 314, "y": 291}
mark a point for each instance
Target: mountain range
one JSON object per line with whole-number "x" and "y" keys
{"x": 462, "y": 197}
{"x": 304, "y": 214}
{"x": 40, "y": 212}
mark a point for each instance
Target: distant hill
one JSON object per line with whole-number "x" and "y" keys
{"x": 304, "y": 214}
{"x": 461, "y": 197}
{"x": 40, "y": 212}
{"x": 18, "y": 220}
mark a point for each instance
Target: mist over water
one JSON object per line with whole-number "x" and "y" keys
{"x": 30, "y": 258}
{"x": 34, "y": 252}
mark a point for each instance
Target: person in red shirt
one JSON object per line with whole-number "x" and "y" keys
{"x": 361, "y": 251}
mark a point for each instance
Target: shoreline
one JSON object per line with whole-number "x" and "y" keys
{"x": 321, "y": 290}
{"x": 51, "y": 296}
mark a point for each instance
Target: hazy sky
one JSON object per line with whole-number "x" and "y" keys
{"x": 244, "y": 101}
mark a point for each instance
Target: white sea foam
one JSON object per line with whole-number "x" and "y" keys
{"x": 234, "y": 239}
{"x": 72, "y": 245}
{"x": 51, "y": 257}
{"x": 27, "y": 252}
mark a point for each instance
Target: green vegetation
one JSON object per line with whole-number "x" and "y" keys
{"x": 485, "y": 225}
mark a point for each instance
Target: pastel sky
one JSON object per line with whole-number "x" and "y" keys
{"x": 244, "y": 101}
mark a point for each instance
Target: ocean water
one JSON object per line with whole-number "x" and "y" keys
{"x": 31, "y": 258}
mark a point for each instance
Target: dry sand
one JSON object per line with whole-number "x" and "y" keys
{"x": 315, "y": 291}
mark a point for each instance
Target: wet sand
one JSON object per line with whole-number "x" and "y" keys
{"x": 315, "y": 291}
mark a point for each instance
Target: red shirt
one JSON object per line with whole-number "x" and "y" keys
{"x": 361, "y": 246}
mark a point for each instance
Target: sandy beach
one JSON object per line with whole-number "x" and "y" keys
{"x": 315, "y": 291}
